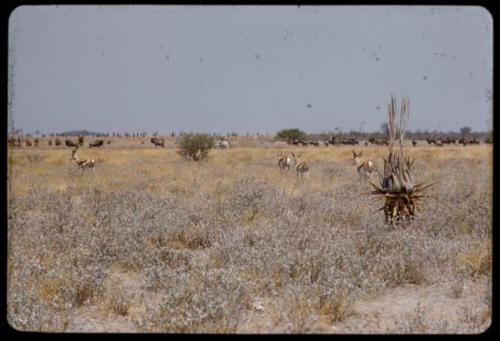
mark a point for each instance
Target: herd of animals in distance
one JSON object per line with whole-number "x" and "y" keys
{"x": 285, "y": 160}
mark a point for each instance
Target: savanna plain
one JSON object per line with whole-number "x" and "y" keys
{"x": 149, "y": 241}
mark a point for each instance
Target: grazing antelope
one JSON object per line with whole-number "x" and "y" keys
{"x": 96, "y": 143}
{"x": 351, "y": 141}
{"x": 364, "y": 168}
{"x": 302, "y": 166}
{"x": 82, "y": 163}
{"x": 284, "y": 161}
{"x": 70, "y": 143}
{"x": 158, "y": 142}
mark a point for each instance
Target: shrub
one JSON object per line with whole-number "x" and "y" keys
{"x": 286, "y": 134}
{"x": 195, "y": 147}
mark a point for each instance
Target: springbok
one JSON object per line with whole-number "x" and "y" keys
{"x": 302, "y": 166}
{"x": 82, "y": 163}
{"x": 364, "y": 168}
{"x": 284, "y": 161}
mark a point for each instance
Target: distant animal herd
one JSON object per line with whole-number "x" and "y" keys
{"x": 19, "y": 142}
{"x": 364, "y": 168}
{"x": 384, "y": 141}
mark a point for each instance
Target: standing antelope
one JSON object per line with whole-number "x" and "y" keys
{"x": 285, "y": 161}
{"x": 82, "y": 163}
{"x": 364, "y": 168}
{"x": 302, "y": 166}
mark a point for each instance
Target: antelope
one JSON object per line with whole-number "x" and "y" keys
{"x": 70, "y": 143}
{"x": 82, "y": 163}
{"x": 414, "y": 142}
{"x": 285, "y": 161}
{"x": 351, "y": 141}
{"x": 302, "y": 166}
{"x": 96, "y": 143}
{"x": 158, "y": 142}
{"x": 364, "y": 168}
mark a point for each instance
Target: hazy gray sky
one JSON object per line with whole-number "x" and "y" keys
{"x": 248, "y": 68}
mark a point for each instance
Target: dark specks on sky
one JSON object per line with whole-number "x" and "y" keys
{"x": 327, "y": 55}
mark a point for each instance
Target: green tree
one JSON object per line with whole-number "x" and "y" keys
{"x": 465, "y": 130}
{"x": 195, "y": 147}
{"x": 293, "y": 133}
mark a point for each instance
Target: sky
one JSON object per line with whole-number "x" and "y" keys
{"x": 248, "y": 68}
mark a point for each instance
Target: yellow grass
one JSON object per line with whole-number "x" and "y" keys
{"x": 52, "y": 169}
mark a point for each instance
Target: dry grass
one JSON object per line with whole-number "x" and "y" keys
{"x": 209, "y": 239}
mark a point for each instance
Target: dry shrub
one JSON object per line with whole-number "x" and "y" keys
{"x": 477, "y": 261}
{"x": 118, "y": 302}
{"x": 335, "y": 306}
{"x": 192, "y": 237}
{"x": 300, "y": 311}
{"x": 85, "y": 292}
{"x": 457, "y": 288}
{"x": 35, "y": 158}
{"x": 405, "y": 270}
{"x": 193, "y": 249}
{"x": 196, "y": 303}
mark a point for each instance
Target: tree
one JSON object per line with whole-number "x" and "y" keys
{"x": 195, "y": 147}
{"x": 286, "y": 134}
{"x": 465, "y": 130}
